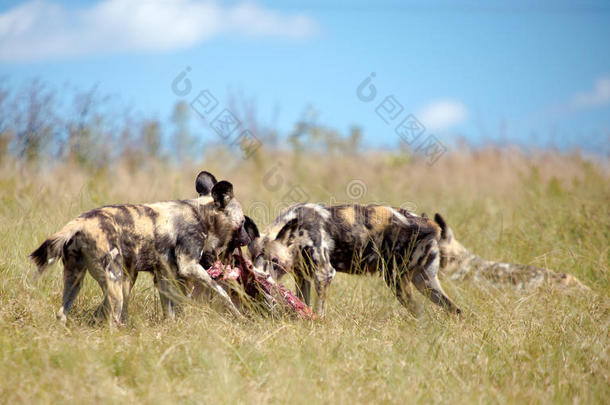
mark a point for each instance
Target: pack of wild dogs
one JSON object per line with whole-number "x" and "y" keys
{"x": 179, "y": 241}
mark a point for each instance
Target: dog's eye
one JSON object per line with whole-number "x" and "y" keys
{"x": 275, "y": 261}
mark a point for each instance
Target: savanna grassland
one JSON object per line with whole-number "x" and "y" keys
{"x": 537, "y": 346}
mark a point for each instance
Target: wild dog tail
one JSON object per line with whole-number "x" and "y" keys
{"x": 52, "y": 248}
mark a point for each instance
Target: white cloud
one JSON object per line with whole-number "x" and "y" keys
{"x": 442, "y": 114}
{"x": 600, "y": 94}
{"x": 40, "y": 29}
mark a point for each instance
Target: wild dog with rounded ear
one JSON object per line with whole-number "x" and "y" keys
{"x": 460, "y": 264}
{"x": 313, "y": 241}
{"x": 204, "y": 183}
{"x": 113, "y": 243}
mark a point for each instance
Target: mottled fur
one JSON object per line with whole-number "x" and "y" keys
{"x": 204, "y": 183}
{"x": 314, "y": 241}
{"x": 116, "y": 242}
{"x": 459, "y": 264}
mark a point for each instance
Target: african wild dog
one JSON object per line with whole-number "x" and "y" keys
{"x": 314, "y": 241}
{"x": 168, "y": 238}
{"x": 204, "y": 183}
{"x": 459, "y": 264}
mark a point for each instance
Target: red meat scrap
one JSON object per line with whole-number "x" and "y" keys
{"x": 253, "y": 281}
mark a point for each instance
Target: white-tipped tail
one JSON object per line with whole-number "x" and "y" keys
{"x": 51, "y": 249}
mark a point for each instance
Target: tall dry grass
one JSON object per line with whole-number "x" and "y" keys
{"x": 543, "y": 346}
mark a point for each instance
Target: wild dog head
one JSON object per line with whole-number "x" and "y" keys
{"x": 276, "y": 251}
{"x": 247, "y": 232}
{"x": 226, "y": 222}
{"x": 272, "y": 257}
{"x": 204, "y": 185}
{"x": 453, "y": 253}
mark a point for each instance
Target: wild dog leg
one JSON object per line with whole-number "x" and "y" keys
{"x": 162, "y": 296}
{"x": 189, "y": 268}
{"x": 166, "y": 283}
{"x": 316, "y": 261}
{"x": 322, "y": 279}
{"x": 404, "y": 292}
{"x": 303, "y": 286}
{"x": 110, "y": 278}
{"x": 398, "y": 279}
{"x": 127, "y": 284}
{"x": 167, "y": 296}
{"x": 309, "y": 261}
{"x": 425, "y": 279}
{"x": 100, "y": 312}
{"x": 431, "y": 288}
{"x": 73, "y": 281}
{"x": 113, "y": 296}
{"x": 74, "y": 274}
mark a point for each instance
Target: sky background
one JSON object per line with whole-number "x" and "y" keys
{"x": 488, "y": 71}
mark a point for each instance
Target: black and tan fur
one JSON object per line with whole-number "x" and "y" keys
{"x": 170, "y": 239}
{"x": 314, "y": 241}
{"x": 459, "y": 264}
{"x": 204, "y": 183}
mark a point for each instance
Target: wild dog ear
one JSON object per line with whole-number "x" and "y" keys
{"x": 289, "y": 226}
{"x": 251, "y": 228}
{"x": 424, "y": 215}
{"x": 222, "y": 193}
{"x": 446, "y": 232}
{"x": 204, "y": 183}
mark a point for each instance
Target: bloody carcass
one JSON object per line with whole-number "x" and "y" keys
{"x": 257, "y": 285}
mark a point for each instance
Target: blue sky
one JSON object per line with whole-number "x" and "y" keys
{"x": 484, "y": 70}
